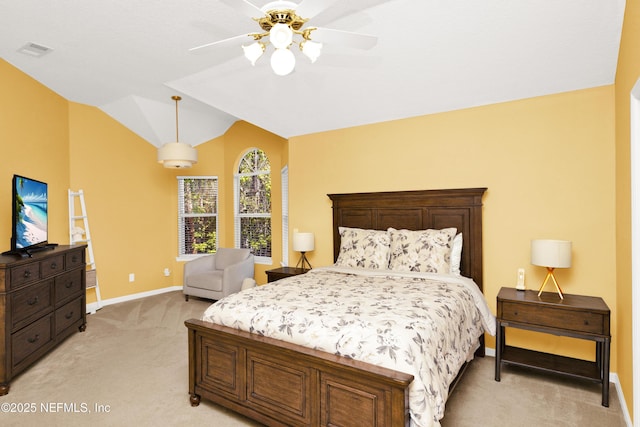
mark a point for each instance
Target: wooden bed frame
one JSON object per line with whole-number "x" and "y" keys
{"x": 282, "y": 384}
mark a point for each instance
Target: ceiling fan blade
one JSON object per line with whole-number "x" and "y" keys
{"x": 237, "y": 40}
{"x": 310, "y": 8}
{"x": 345, "y": 38}
{"x": 245, "y": 7}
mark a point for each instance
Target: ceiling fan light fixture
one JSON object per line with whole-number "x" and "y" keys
{"x": 253, "y": 52}
{"x": 280, "y": 36}
{"x": 283, "y": 62}
{"x": 311, "y": 49}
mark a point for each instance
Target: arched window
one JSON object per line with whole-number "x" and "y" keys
{"x": 252, "y": 200}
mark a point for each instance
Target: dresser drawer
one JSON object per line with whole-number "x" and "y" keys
{"x": 30, "y": 301}
{"x": 68, "y": 285}
{"x": 74, "y": 259}
{"x": 554, "y": 317}
{"x": 24, "y": 274}
{"x": 52, "y": 266}
{"x": 28, "y": 340}
{"x": 68, "y": 315}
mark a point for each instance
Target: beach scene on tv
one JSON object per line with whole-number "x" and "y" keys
{"x": 31, "y": 212}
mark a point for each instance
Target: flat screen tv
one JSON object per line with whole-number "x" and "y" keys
{"x": 30, "y": 214}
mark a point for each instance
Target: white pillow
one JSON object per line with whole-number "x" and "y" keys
{"x": 427, "y": 251}
{"x": 360, "y": 248}
{"x": 456, "y": 255}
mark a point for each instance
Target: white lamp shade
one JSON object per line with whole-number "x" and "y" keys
{"x": 283, "y": 62}
{"x": 253, "y": 52}
{"x": 551, "y": 253}
{"x": 177, "y": 155}
{"x": 311, "y": 49}
{"x": 280, "y": 36}
{"x": 303, "y": 242}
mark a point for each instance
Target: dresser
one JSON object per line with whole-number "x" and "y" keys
{"x": 42, "y": 301}
{"x": 576, "y": 316}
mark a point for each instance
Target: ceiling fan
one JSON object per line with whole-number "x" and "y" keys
{"x": 284, "y": 23}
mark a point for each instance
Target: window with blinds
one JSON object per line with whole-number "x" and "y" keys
{"x": 285, "y": 215}
{"x": 197, "y": 215}
{"x": 252, "y": 205}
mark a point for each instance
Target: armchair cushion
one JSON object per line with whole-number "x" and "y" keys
{"x": 218, "y": 275}
{"x": 226, "y": 257}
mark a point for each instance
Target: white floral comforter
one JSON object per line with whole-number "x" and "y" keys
{"x": 422, "y": 324}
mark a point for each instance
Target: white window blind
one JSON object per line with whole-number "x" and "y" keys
{"x": 197, "y": 215}
{"x": 285, "y": 215}
{"x": 252, "y": 205}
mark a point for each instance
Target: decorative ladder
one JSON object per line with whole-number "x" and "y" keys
{"x": 76, "y": 236}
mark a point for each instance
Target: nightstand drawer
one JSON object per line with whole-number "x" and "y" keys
{"x": 554, "y": 317}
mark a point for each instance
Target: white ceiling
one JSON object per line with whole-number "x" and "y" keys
{"x": 128, "y": 57}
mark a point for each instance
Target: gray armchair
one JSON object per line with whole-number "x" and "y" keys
{"x": 218, "y": 275}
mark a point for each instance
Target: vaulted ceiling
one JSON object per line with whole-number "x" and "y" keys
{"x": 129, "y": 57}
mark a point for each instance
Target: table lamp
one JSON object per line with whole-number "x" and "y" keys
{"x": 303, "y": 242}
{"x": 551, "y": 254}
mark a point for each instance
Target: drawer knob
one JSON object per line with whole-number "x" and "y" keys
{"x": 33, "y": 301}
{"x": 69, "y": 315}
{"x": 54, "y": 265}
{"x": 27, "y": 273}
{"x": 34, "y": 339}
{"x": 586, "y": 322}
{"x": 74, "y": 258}
{"x": 69, "y": 284}
{"x": 515, "y": 313}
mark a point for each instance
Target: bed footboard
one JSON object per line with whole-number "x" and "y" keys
{"x": 282, "y": 384}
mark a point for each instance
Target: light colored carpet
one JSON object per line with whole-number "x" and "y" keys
{"x": 130, "y": 368}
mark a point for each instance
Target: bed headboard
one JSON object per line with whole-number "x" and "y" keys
{"x": 417, "y": 210}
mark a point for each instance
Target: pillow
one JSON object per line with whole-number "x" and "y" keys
{"x": 427, "y": 251}
{"x": 361, "y": 248}
{"x": 456, "y": 254}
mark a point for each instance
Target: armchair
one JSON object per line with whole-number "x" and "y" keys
{"x": 218, "y": 275}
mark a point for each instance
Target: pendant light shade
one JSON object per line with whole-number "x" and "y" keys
{"x": 176, "y": 155}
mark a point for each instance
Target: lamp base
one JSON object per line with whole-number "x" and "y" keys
{"x": 303, "y": 262}
{"x": 555, "y": 282}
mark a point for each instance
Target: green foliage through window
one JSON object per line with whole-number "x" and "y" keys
{"x": 253, "y": 198}
{"x": 198, "y": 215}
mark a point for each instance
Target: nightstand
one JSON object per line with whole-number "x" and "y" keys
{"x": 282, "y": 272}
{"x": 576, "y": 316}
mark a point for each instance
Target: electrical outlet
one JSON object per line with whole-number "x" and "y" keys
{"x": 132, "y": 277}
{"x": 167, "y": 272}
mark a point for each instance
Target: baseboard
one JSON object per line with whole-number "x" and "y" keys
{"x": 613, "y": 378}
{"x": 93, "y": 307}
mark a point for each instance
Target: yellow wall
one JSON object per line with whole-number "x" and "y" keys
{"x": 34, "y": 138}
{"x": 131, "y": 203}
{"x": 628, "y": 73}
{"x": 548, "y": 163}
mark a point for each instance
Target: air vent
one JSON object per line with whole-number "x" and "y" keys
{"x": 34, "y": 49}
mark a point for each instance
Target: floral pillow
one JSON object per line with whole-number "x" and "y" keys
{"x": 360, "y": 248}
{"x": 427, "y": 251}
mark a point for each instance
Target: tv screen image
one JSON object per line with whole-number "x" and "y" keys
{"x": 30, "y": 212}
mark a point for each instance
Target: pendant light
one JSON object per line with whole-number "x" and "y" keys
{"x": 176, "y": 155}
